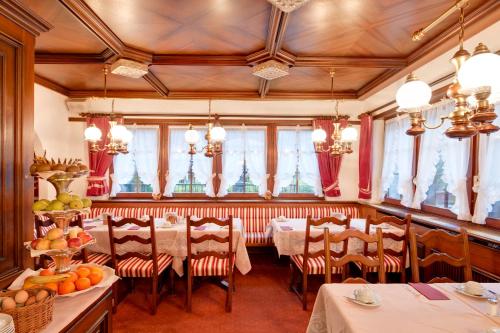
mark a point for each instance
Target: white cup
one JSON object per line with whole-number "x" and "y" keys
{"x": 364, "y": 295}
{"x": 473, "y": 288}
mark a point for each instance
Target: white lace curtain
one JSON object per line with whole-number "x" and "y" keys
{"x": 295, "y": 149}
{"x": 142, "y": 157}
{"x": 179, "y": 161}
{"x": 240, "y": 145}
{"x": 398, "y": 158}
{"x": 488, "y": 185}
{"x": 455, "y": 155}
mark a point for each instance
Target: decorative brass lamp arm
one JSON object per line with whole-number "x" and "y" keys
{"x": 443, "y": 118}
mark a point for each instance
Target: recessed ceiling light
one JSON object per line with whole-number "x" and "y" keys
{"x": 129, "y": 68}
{"x": 288, "y": 5}
{"x": 270, "y": 70}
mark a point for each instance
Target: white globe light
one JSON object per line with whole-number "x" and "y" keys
{"x": 349, "y": 134}
{"x": 127, "y": 136}
{"x": 218, "y": 134}
{"x": 318, "y": 135}
{"x": 480, "y": 70}
{"x": 92, "y": 133}
{"x": 118, "y": 132}
{"x": 413, "y": 94}
{"x": 191, "y": 136}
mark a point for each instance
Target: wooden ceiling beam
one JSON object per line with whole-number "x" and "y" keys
{"x": 311, "y": 95}
{"x": 377, "y": 81}
{"x": 199, "y": 60}
{"x": 51, "y": 85}
{"x": 69, "y": 58}
{"x": 264, "y": 87}
{"x": 345, "y": 62}
{"x": 257, "y": 57}
{"x": 114, "y": 94}
{"x": 156, "y": 83}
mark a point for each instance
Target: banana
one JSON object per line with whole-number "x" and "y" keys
{"x": 37, "y": 280}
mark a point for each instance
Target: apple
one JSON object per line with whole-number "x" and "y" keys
{"x": 73, "y": 232}
{"x": 85, "y": 237}
{"x": 74, "y": 242}
{"x": 43, "y": 244}
{"x": 54, "y": 234}
{"x": 59, "y": 244}
{"x": 35, "y": 242}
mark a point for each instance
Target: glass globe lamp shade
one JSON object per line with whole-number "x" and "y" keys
{"x": 127, "y": 136}
{"x": 118, "y": 132}
{"x": 480, "y": 70}
{"x": 349, "y": 134}
{"x": 318, "y": 135}
{"x": 413, "y": 94}
{"x": 92, "y": 133}
{"x": 218, "y": 134}
{"x": 191, "y": 136}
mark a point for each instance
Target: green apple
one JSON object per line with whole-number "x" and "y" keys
{"x": 65, "y": 198}
{"x": 39, "y": 205}
{"x": 76, "y": 204}
{"x": 86, "y": 202}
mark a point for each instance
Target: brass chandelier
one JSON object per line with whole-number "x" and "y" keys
{"x": 215, "y": 136}
{"x": 119, "y": 136}
{"x": 342, "y": 138}
{"x": 475, "y": 88}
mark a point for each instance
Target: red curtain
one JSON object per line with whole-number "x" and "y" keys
{"x": 329, "y": 166}
{"x": 365, "y": 157}
{"x": 99, "y": 162}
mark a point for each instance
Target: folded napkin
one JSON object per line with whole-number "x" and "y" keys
{"x": 89, "y": 227}
{"x": 286, "y": 228}
{"x": 201, "y": 227}
{"x": 134, "y": 227}
{"x": 429, "y": 292}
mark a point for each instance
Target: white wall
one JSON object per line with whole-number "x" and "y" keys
{"x": 56, "y": 135}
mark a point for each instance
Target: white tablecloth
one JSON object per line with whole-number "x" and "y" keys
{"x": 172, "y": 241}
{"x": 292, "y": 242}
{"x": 402, "y": 309}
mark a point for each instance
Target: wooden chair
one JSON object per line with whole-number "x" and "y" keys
{"x": 43, "y": 226}
{"x": 440, "y": 247}
{"x": 149, "y": 265}
{"x": 394, "y": 261}
{"x": 210, "y": 263}
{"x": 377, "y": 261}
{"x": 315, "y": 261}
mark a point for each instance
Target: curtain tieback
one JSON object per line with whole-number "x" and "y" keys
{"x": 331, "y": 187}
{"x": 95, "y": 178}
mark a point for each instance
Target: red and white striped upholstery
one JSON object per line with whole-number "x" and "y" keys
{"x": 315, "y": 265}
{"x": 94, "y": 258}
{"x": 392, "y": 264}
{"x": 136, "y": 267}
{"x": 255, "y": 220}
{"x": 211, "y": 266}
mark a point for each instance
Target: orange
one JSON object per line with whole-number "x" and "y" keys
{"x": 51, "y": 286}
{"x": 66, "y": 287}
{"x": 83, "y": 272}
{"x": 46, "y": 272}
{"x": 95, "y": 270}
{"x": 95, "y": 278}
{"x": 73, "y": 277}
{"x": 82, "y": 283}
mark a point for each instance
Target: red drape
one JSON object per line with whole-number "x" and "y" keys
{"x": 329, "y": 166}
{"x": 99, "y": 162}
{"x": 365, "y": 157}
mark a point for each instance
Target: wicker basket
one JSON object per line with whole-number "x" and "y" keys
{"x": 32, "y": 318}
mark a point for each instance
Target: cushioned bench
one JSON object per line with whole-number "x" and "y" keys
{"x": 255, "y": 219}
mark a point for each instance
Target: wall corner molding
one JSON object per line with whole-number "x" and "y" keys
{"x": 24, "y": 17}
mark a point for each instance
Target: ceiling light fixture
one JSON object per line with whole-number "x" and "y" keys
{"x": 288, "y": 5}
{"x": 270, "y": 70}
{"x": 129, "y": 68}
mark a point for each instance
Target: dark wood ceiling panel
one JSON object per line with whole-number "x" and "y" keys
{"x": 364, "y": 27}
{"x": 317, "y": 79}
{"x": 87, "y": 77}
{"x": 188, "y": 26}
{"x": 207, "y": 78}
{"x": 68, "y": 34}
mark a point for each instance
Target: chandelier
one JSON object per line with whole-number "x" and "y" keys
{"x": 475, "y": 89}
{"x": 342, "y": 138}
{"x": 215, "y": 136}
{"x": 118, "y": 137}
{"x": 288, "y": 5}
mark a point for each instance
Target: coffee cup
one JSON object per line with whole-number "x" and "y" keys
{"x": 473, "y": 288}
{"x": 364, "y": 295}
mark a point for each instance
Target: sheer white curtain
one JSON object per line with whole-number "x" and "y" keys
{"x": 398, "y": 157}
{"x": 487, "y": 186}
{"x": 202, "y": 165}
{"x": 178, "y": 159}
{"x": 308, "y": 163}
{"x": 142, "y": 157}
{"x": 232, "y": 160}
{"x": 255, "y": 155}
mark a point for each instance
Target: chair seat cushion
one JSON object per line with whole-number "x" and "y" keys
{"x": 211, "y": 266}
{"x": 259, "y": 238}
{"x": 136, "y": 267}
{"x": 99, "y": 258}
{"x": 316, "y": 265}
{"x": 392, "y": 264}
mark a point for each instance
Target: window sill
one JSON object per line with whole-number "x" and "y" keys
{"x": 205, "y": 199}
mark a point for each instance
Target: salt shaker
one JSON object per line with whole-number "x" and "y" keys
{"x": 492, "y": 306}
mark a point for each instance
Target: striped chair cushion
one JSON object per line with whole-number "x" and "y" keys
{"x": 260, "y": 238}
{"x": 211, "y": 266}
{"x": 392, "y": 264}
{"x": 99, "y": 258}
{"x": 316, "y": 265}
{"x": 136, "y": 267}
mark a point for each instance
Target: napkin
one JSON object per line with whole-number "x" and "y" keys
{"x": 201, "y": 227}
{"x": 429, "y": 292}
{"x": 89, "y": 227}
{"x": 134, "y": 227}
{"x": 286, "y": 228}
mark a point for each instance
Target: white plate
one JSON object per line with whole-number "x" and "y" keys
{"x": 107, "y": 279}
{"x": 166, "y": 226}
{"x": 460, "y": 289}
{"x": 376, "y": 302}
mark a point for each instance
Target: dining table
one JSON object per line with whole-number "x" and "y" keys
{"x": 401, "y": 308}
{"x": 171, "y": 239}
{"x": 289, "y": 236}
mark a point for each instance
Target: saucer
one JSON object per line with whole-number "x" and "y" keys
{"x": 460, "y": 289}
{"x": 375, "y": 303}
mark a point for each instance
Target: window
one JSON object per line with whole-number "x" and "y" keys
{"x": 187, "y": 173}
{"x": 137, "y": 171}
{"x": 244, "y": 161}
{"x": 495, "y": 211}
{"x": 297, "y": 169}
{"x": 437, "y": 195}
{"x": 392, "y": 191}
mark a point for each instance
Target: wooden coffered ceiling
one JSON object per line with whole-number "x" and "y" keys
{"x": 205, "y": 49}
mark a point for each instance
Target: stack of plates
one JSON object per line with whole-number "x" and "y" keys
{"x": 6, "y": 324}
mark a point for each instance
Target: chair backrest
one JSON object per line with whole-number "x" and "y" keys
{"x": 320, "y": 238}
{"x": 405, "y": 223}
{"x": 113, "y": 241}
{"x": 437, "y": 245}
{"x": 210, "y": 237}
{"x": 356, "y": 258}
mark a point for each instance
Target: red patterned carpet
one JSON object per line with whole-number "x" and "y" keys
{"x": 261, "y": 303}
